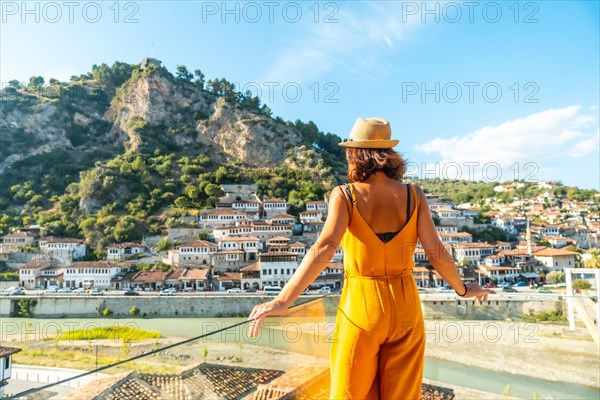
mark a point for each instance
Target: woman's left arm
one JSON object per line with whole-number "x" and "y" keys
{"x": 314, "y": 262}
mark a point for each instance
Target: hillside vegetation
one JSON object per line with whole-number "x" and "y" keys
{"x": 121, "y": 151}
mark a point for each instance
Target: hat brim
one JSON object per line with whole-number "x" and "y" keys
{"x": 370, "y": 144}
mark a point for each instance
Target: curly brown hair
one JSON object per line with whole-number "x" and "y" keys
{"x": 362, "y": 163}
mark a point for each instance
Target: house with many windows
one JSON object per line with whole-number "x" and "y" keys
{"x": 192, "y": 254}
{"x": 272, "y": 207}
{"x": 96, "y": 274}
{"x": 123, "y": 251}
{"x": 67, "y": 249}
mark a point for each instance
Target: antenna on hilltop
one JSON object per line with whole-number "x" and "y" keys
{"x": 152, "y": 50}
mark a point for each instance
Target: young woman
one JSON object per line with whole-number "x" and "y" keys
{"x": 378, "y": 346}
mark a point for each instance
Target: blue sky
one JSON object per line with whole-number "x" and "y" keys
{"x": 481, "y": 90}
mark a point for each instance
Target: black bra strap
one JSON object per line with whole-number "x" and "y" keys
{"x": 408, "y": 203}
{"x": 347, "y": 187}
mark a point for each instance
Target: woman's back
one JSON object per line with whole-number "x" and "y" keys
{"x": 379, "y": 206}
{"x": 381, "y": 201}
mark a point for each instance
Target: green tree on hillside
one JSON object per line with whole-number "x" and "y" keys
{"x": 183, "y": 73}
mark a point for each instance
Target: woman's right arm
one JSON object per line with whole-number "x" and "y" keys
{"x": 437, "y": 254}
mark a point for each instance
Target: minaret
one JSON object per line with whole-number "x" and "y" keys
{"x": 529, "y": 251}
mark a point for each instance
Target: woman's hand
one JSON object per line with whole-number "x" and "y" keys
{"x": 261, "y": 311}
{"x": 475, "y": 290}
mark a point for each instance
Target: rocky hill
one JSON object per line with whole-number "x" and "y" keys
{"x": 112, "y": 136}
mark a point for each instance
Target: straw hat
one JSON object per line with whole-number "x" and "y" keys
{"x": 371, "y": 133}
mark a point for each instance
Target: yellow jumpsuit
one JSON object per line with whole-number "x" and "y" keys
{"x": 378, "y": 345}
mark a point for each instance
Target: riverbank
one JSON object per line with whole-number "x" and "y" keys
{"x": 538, "y": 350}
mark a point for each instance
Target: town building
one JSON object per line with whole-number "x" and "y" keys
{"x": 97, "y": 274}
{"x": 67, "y": 249}
{"x": 123, "y": 251}
{"x": 6, "y": 354}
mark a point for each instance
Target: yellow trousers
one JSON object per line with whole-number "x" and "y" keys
{"x": 378, "y": 346}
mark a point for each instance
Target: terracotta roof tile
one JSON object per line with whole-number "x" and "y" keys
{"x": 7, "y": 351}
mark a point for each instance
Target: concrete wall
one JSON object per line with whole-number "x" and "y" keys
{"x": 235, "y": 305}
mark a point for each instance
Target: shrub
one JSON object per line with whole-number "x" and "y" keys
{"x": 581, "y": 284}
{"x": 134, "y": 311}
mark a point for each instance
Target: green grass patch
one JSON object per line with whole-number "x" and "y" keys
{"x": 552, "y": 316}
{"x": 125, "y": 333}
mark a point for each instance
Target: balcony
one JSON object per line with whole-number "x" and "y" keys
{"x": 516, "y": 345}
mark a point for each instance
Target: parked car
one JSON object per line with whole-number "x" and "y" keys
{"x": 251, "y": 290}
{"x": 171, "y": 289}
{"x": 544, "y": 290}
{"x": 64, "y": 290}
{"x": 16, "y": 292}
{"x": 521, "y": 284}
{"x": 421, "y": 289}
{"x": 79, "y": 290}
{"x": 509, "y": 289}
{"x": 445, "y": 289}
{"x": 504, "y": 285}
{"x": 166, "y": 293}
{"x": 130, "y": 292}
{"x": 96, "y": 292}
{"x": 7, "y": 291}
{"x": 234, "y": 290}
{"x": 324, "y": 290}
{"x": 272, "y": 290}
{"x": 51, "y": 290}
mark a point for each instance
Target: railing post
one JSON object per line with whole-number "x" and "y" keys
{"x": 570, "y": 310}
{"x": 597, "y": 274}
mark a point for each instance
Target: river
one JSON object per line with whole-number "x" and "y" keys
{"x": 283, "y": 333}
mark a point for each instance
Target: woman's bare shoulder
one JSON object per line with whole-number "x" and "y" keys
{"x": 418, "y": 189}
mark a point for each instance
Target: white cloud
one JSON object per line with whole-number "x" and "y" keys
{"x": 537, "y": 138}
{"x": 357, "y": 42}
{"x": 586, "y": 146}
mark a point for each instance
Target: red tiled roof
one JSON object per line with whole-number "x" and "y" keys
{"x": 198, "y": 243}
{"x": 51, "y": 239}
{"x": 252, "y": 267}
{"x": 230, "y": 276}
{"x": 193, "y": 274}
{"x": 282, "y": 216}
{"x": 204, "y": 381}
{"x": 7, "y": 351}
{"x": 35, "y": 264}
{"x": 90, "y": 264}
{"x": 551, "y": 252}
{"x": 125, "y": 245}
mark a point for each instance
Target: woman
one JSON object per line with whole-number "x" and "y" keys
{"x": 378, "y": 346}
